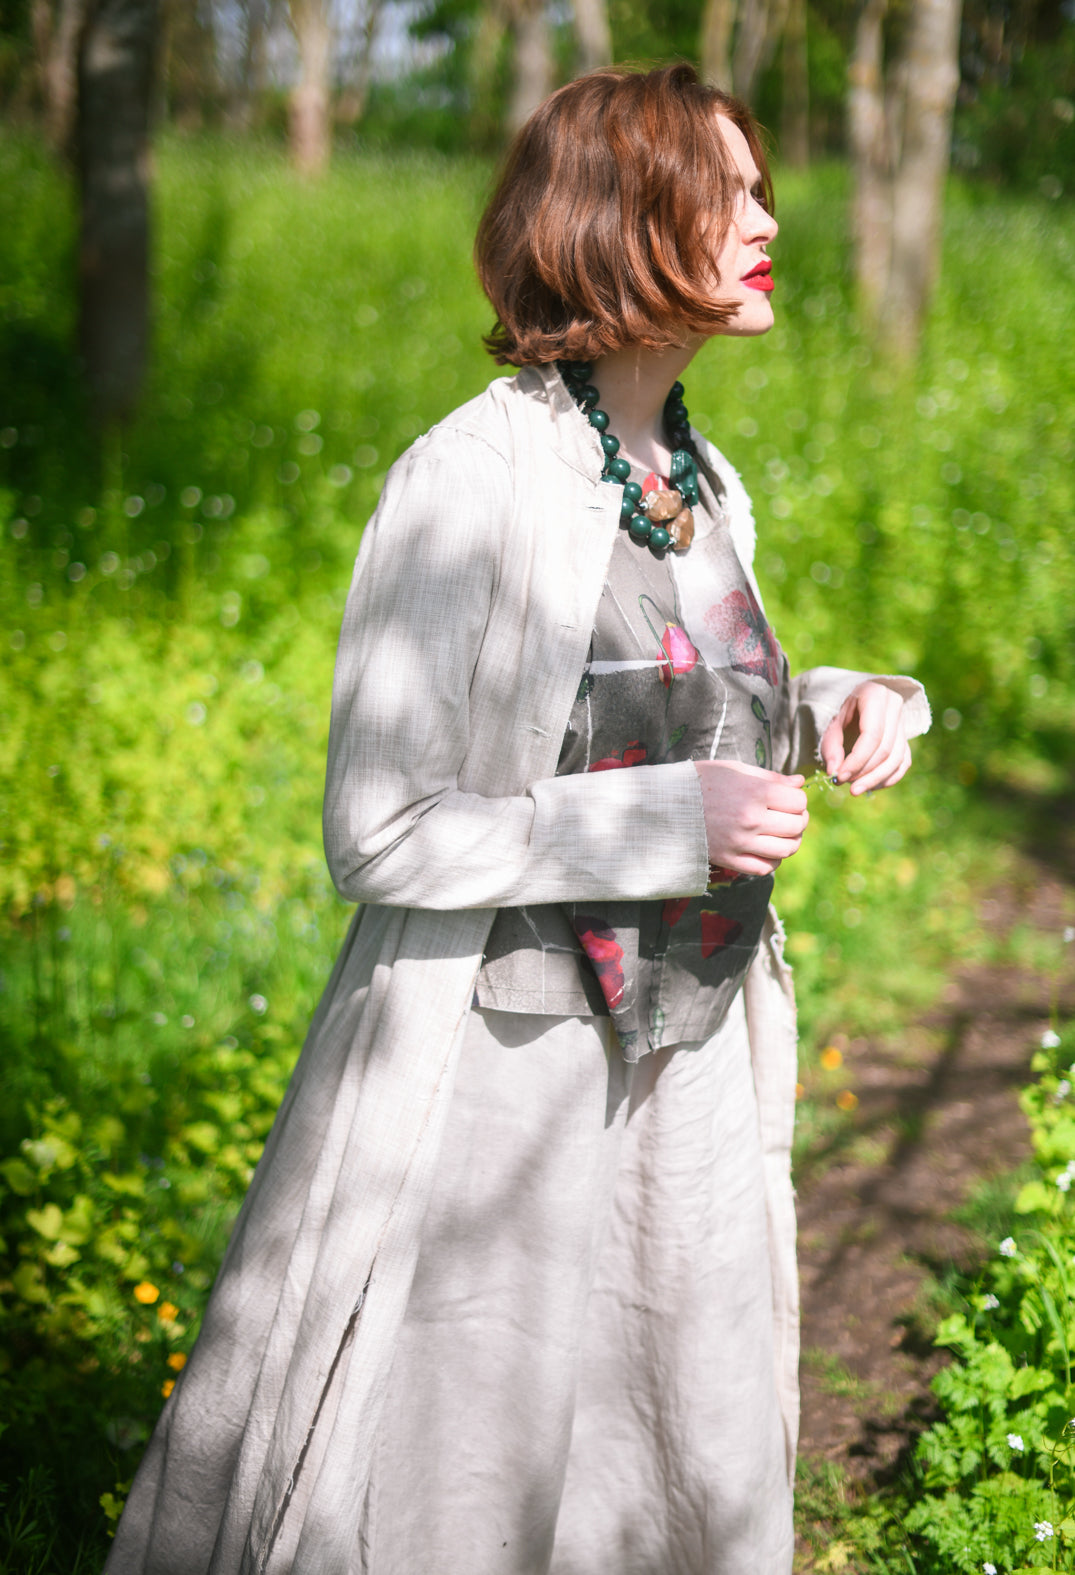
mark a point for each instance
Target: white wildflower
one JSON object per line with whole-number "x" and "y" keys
{"x": 1050, "y": 1040}
{"x": 990, "y": 1301}
{"x": 1015, "y": 1441}
{"x": 1043, "y": 1530}
{"x": 989, "y": 1569}
{"x": 1063, "y": 1181}
{"x": 1007, "y": 1248}
{"x": 259, "y": 1004}
{"x": 1063, "y": 1089}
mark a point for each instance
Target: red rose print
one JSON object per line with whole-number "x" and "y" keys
{"x": 674, "y": 909}
{"x": 740, "y": 622}
{"x": 718, "y": 931}
{"x": 680, "y": 651}
{"x": 633, "y": 755}
{"x": 720, "y": 875}
{"x": 599, "y": 942}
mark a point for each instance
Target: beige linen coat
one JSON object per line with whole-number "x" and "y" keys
{"x": 465, "y": 634}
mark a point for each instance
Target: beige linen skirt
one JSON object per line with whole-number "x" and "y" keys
{"x": 585, "y": 1380}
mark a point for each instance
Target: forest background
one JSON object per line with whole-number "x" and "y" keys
{"x": 234, "y": 285}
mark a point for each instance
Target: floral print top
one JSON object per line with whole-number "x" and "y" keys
{"x": 655, "y": 691}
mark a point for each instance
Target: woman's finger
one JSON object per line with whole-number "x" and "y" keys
{"x": 886, "y": 775}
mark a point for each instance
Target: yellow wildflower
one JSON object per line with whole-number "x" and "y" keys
{"x": 799, "y": 1090}
{"x": 177, "y": 1361}
{"x": 846, "y": 1100}
{"x": 831, "y": 1058}
{"x": 167, "y": 1386}
{"x": 167, "y": 1312}
{"x": 145, "y": 1293}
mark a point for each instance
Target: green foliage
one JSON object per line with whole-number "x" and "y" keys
{"x": 171, "y": 600}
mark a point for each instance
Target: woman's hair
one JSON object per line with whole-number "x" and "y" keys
{"x": 603, "y": 229}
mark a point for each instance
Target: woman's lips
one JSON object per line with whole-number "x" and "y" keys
{"x": 760, "y": 277}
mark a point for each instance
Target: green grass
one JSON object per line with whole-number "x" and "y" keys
{"x": 172, "y": 599}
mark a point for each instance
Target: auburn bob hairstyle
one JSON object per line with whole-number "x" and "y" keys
{"x": 613, "y": 201}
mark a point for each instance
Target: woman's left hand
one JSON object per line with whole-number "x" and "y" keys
{"x": 866, "y": 743}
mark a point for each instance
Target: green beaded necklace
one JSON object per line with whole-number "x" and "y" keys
{"x": 660, "y": 519}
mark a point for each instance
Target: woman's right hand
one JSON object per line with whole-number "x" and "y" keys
{"x": 753, "y": 818}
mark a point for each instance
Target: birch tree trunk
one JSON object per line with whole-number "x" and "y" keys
{"x": 930, "y": 81}
{"x": 795, "y": 110}
{"x": 57, "y": 32}
{"x": 871, "y": 219}
{"x": 761, "y": 23}
{"x": 593, "y": 34}
{"x": 900, "y": 126}
{"x": 115, "y": 81}
{"x": 715, "y": 45}
{"x": 533, "y": 62}
{"x": 355, "y": 97}
{"x": 309, "y": 112}
{"x": 482, "y": 64}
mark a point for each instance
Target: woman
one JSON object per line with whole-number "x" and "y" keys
{"x": 513, "y": 1289}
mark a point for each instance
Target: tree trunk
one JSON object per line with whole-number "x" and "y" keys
{"x": 115, "y": 86}
{"x": 872, "y": 204}
{"x": 900, "y": 127}
{"x": 355, "y": 96}
{"x": 795, "y": 110}
{"x": 930, "y": 83}
{"x": 482, "y": 70}
{"x": 310, "y": 121}
{"x": 593, "y": 34}
{"x": 715, "y": 45}
{"x": 533, "y": 62}
{"x": 761, "y": 23}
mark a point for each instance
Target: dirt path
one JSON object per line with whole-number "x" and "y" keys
{"x": 941, "y": 1114}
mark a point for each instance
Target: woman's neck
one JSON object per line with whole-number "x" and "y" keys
{"x": 634, "y": 384}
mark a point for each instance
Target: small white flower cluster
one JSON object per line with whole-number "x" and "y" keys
{"x": 1063, "y": 1089}
{"x": 1015, "y": 1442}
{"x": 1050, "y": 1040}
{"x": 989, "y": 1569}
{"x": 989, "y": 1302}
{"x": 1043, "y": 1530}
{"x": 1007, "y": 1248}
{"x": 1066, "y": 1176}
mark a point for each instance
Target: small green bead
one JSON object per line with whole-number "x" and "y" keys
{"x": 680, "y": 463}
{"x": 640, "y": 528}
{"x": 610, "y": 444}
{"x": 598, "y": 419}
{"x": 627, "y": 508}
{"x": 633, "y": 491}
{"x": 606, "y": 475}
{"x": 587, "y": 395}
{"x": 659, "y": 538}
{"x": 677, "y": 390}
{"x": 618, "y": 468}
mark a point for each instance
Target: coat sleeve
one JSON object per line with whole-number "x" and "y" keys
{"x": 819, "y": 692}
{"x": 398, "y": 827}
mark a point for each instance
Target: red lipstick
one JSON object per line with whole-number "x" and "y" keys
{"x": 759, "y": 277}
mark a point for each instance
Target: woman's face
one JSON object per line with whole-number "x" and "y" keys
{"x": 742, "y": 269}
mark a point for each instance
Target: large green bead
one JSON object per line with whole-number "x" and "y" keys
{"x": 610, "y": 444}
{"x": 680, "y": 464}
{"x": 633, "y": 492}
{"x": 598, "y": 419}
{"x": 587, "y": 395}
{"x": 618, "y": 468}
{"x": 659, "y": 538}
{"x": 640, "y": 528}
{"x": 627, "y": 508}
